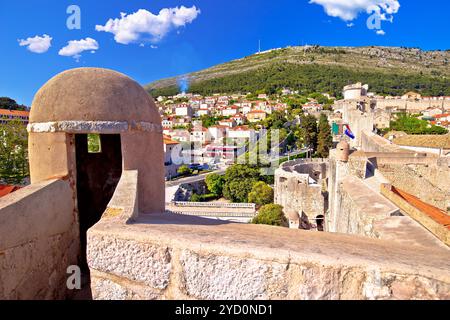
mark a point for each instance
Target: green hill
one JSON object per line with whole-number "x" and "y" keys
{"x": 388, "y": 71}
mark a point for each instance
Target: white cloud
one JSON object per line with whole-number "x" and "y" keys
{"x": 74, "y": 48}
{"x": 136, "y": 26}
{"x": 37, "y": 44}
{"x": 381, "y": 32}
{"x": 349, "y": 10}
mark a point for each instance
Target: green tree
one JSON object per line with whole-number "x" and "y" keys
{"x": 13, "y": 152}
{"x": 412, "y": 125}
{"x": 215, "y": 183}
{"x": 324, "y": 138}
{"x": 94, "y": 143}
{"x": 239, "y": 181}
{"x": 209, "y": 121}
{"x": 261, "y": 194}
{"x": 272, "y": 215}
{"x": 307, "y": 132}
{"x": 184, "y": 170}
{"x": 10, "y": 104}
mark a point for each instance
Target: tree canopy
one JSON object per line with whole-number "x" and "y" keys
{"x": 215, "y": 183}
{"x": 324, "y": 137}
{"x": 412, "y": 125}
{"x": 272, "y": 215}
{"x": 312, "y": 78}
{"x": 13, "y": 152}
{"x": 261, "y": 194}
{"x": 11, "y": 104}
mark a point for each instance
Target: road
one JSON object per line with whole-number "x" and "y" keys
{"x": 192, "y": 179}
{"x": 172, "y": 186}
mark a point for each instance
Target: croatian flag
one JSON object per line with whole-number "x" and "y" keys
{"x": 348, "y": 132}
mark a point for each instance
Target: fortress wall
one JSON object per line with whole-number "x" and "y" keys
{"x": 359, "y": 208}
{"x": 412, "y": 105}
{"x": 316, "y": 170}
{"x": 39, "y": 241}
{"x": 359, "y": 123}
{"x": 164, "y": 257}
{"x": 429, "y": 182}
{"x": 294, "y": 190}
{"x": 370, "y": 142}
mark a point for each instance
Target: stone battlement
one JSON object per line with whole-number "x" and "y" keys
{"x": 179, "y": 257}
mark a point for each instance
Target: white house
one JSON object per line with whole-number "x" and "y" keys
{"x": 230, "y": 111}
{"x": 167, "y": 123}
{"x": 181, "y": 135}
{"x": 217, "y": 133}
{"x": 230, "y": 123}
{"x": 184, "y": 110}
{"x": 239, "y": 119}
{"x": 203, "y": 112}
{"x": 171, "y": 148}
{"x": 200, "y": 134}
{"x": 432, "y": 112}
{"x": 242, "y": 132}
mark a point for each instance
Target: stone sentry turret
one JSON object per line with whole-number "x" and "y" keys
{"x": 342, "y": 151}
{"x": 81, "y": 103}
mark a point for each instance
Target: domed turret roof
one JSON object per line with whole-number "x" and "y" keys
{"x": 343, "y": 145}
{"x": 93, "y": 94}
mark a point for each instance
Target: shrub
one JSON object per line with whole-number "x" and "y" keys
{"x": 215, "y": 184}
{"x": 272, "y": 215}
{"x": 261, "y": 194}
{"x": 184, "y": 170}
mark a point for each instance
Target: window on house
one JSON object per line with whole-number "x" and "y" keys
{"x": 94, "y": 143}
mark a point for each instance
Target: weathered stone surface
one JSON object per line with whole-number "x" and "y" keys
{"x": 141, "y": 262}
{"x": 379, "y": 286}
{"x": 37, "y": 269}
{"x": 105, "y": 287}
{"x": 214, "y": 277}
{"x": 217, "y": 260}
{"x": 38, "y": 241}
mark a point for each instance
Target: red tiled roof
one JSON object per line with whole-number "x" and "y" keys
{"x": 434, "y": 213}
{"x": 14, "y": 113}
{"x": 168, "y": 140}
{"x": 6, "y": 189}
{"x": 241, "y": 128}
{"x": 256, "y": 111}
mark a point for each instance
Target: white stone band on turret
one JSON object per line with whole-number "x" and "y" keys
{"x": 104, "y": 127}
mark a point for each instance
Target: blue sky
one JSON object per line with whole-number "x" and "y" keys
{"x": 222, "y": 31}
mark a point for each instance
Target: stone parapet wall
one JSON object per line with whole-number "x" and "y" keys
{"x": 359, "y": 208}
{"x": 299, "y": 186}
{"x": 428, "y": 182}
{"x": 413, "y": 105}
{"x": 167, "y": 257}
{"x": 370, "y": 142}
{"x": 38, "y": 241}
{"x": 442, "y": 232}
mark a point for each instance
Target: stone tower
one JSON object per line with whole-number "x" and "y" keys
{"x": 79, "y": 104}
{"x": 342, "y": 151}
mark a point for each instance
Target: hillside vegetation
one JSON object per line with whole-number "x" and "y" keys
{"x": 389, "y": 71}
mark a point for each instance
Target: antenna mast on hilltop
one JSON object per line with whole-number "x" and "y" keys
{"x": 259, "y": 46}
